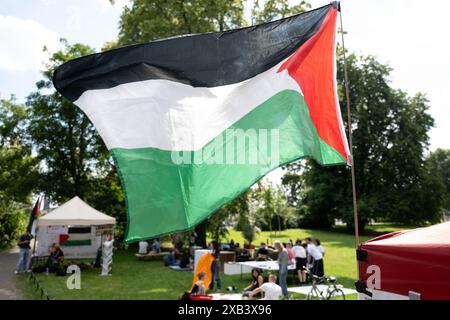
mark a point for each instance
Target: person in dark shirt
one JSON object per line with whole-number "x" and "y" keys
{"x": 170, "y": 260}
{"x": 262, "y": 253}
{"x": 24, "y": 253}
{"x": 257, "y": 281}
{"x": 185, "y": 262}
{"x": 216, "y": 265}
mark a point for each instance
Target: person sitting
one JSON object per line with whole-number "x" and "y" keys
{"x": 143, "y": 246}
{"x": 262, "y": 254}
{"x": 185, "y": 261}
{"x": 170, "y": 260}
{"x": 178, "y": 245}
{"x": 257, "y": 281}
{"x": 199, "y": 286}
{"x": 232, "y": 246}
{"x": 271, "y": 290}
{"x": 55, "y": 258}
{"x": 156, "y": 246}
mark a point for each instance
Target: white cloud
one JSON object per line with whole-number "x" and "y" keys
{"x": 411, "y": 36}
{"x": 21, "y": 44}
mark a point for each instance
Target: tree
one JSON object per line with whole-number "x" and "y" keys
{"x": 390, "y": 136}
{"x": 272, "y": 211}
{"x": 438, "y": 167}
{"x": 149, "y": 20}
{"x": 18, "y": 171}
{"x": 293, "y": 182}
{"x": 73, "y": 159}
{"x": 219, "y": 222}
{"x": 276, "y": 9}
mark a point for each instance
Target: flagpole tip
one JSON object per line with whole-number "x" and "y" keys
{"x": 336, "y": 5}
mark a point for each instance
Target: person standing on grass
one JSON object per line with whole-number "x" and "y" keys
{"x": 283, "y": 261}
{"x": 319, "y": 246}
{"x": 24, "y": 253}
{"x": 291, "y": 255}
{"x": 216, "y": 266}
{"x": 317, "y": 259}
{"x": 318, "y": 252}
{"x": 300, "y": 261}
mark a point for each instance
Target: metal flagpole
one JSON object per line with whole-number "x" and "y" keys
{"x": 349, "y": 124}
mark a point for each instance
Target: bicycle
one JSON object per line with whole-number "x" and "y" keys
{"x": 334, "y": 291}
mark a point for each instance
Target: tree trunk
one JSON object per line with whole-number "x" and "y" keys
{"x": 201, "y": 234}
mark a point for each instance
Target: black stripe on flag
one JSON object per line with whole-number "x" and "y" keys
{"x": 79, "y": 230}
{"x": 204, "y": 60}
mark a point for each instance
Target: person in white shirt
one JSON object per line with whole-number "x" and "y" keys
{"x": 319, "y": 246}
{"x": 271, "y": 290}
{"x": 300, "y": 261}
{"x": 317, "y": 256}
{"x": 143, "y": 246}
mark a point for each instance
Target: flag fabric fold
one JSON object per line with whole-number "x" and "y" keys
{"x": 193, "y": 121}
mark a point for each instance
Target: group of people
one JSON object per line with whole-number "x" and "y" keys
{"x": 155, "y": 247}
{"x": 304, "y": 254}
{"x": 54, "y": 259}
{"x": 178, "y": 255}
{"x": 307, "y": 254}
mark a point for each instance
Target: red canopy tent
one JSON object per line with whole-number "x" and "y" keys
{"x": 411, "y": 264}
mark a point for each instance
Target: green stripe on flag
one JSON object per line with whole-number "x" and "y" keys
{"x": 73, "y": 243}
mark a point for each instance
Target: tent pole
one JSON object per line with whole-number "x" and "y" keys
{"x": 349, "y": 124}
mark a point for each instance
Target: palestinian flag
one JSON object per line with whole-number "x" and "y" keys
{"x": 76, "y": 236}
{"x": 193, "y": 121}
{"x": 34, "y": 217}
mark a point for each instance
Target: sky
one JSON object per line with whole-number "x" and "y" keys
{"x": 411, "y": 36}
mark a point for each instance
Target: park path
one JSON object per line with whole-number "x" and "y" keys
{"x": 8, "y": 288}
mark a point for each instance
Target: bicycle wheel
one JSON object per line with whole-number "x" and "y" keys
{"x": 336, "y": 294}
{"x": 315, "y": 294}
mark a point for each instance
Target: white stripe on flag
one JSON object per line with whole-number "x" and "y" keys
{"x": 173, "y": 116}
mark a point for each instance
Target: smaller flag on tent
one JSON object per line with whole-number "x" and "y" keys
{"x": 34, "y": 216}
{"x": 76, "y": 236}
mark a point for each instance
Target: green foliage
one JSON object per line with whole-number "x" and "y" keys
{"x": 245, "y": 216}
{"x": 149, "y": 20}
{"x": 217, "y": 225}
{"x": 13, "y": 220}
{"x": 265, "y": 11}
{"x": 437, "y": 167}
{"x": 73, "y": 159}
{"x": 18, "y": 170}
{"x": 271, "y": 208}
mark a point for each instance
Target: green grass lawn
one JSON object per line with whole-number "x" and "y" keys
{"x": 133, "y": 279}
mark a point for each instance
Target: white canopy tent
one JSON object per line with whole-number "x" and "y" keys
{"x": 77, "y": 213}
{"x": 74, "y": 222}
